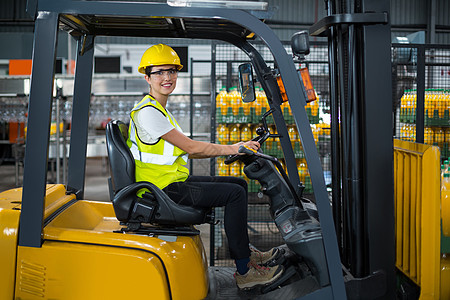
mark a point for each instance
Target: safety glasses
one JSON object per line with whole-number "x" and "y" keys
{"x": 165, "y": 72}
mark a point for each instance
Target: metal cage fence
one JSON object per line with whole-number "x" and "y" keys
{"x": 421, "y": 94}
{"x": 235, "y": 122}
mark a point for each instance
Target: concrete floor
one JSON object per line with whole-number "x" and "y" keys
{"x": 96, "y": 186}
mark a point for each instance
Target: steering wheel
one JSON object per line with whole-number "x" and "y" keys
{"x": 262, "y": 136}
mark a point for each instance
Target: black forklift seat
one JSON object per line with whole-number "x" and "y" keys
{"x": 155, "y": 207}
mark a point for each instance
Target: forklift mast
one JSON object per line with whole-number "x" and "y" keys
{"x": 359, "y": 44}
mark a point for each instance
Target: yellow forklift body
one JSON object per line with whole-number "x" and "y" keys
{"x": 81, "y": 249}
{"x": 10, "y": 204}
{"x": 9, "y": 224}
{"x": 418, "y": 218}
{"x": 61, "y": 270}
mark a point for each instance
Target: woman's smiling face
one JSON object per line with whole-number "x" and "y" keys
{"x": 162, "y": 79}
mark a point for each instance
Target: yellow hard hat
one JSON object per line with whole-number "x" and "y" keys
{"x": 158, "y": 55}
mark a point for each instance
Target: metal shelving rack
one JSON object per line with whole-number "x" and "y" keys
{"x": 263, "y": 233}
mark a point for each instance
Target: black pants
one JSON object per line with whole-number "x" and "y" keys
{"x": 217, "y": 191}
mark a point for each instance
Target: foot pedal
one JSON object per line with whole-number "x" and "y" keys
{"x": 279, "y": 259}
{"x": 288, "y": 273}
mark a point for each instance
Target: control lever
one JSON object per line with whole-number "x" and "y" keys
{"x": 249, "y": 151}
{"x": 260, "y": 131}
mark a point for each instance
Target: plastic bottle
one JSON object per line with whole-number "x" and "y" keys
{"x": 222, "y": 101}
{"x": 428, "y": 136}
{"x": 410, "y": 102}
{"x": 405, "y": 103}
{"x": 293, "y": 134}
{"x": 403, "y": 132}
{"x": 222, "y": 168}
{"x": 402, "y": 105}
{"x": 302, "y": 170}
{"x": 286, "y": 110}
{"x": 430, "y": 103}
{"x": 326, "y": 130}
{"x": 437, "y": 103}
{"x": 229, "y": 96}
{"x": 315, "y": 107}
{"x": 315, "y": 132}
{"x": 282, "y": 108}
{"x": 275, "y": 145}
{"x": 447, "y": 136}
{"x": 223, "y": 134}
{"x": 234, "y": 100}
{"x": 235, "y": 169}
{"x": 445, "y": 203}
{"x": 246, "y": 133}
{"x": 433, "y": 102}
{"x": 412, "y": 132}
{"x": 254, "y": 134}
{"x": 239, "y": 103}
{"x": 264, "y": 104}
{"x": 252, "y": 107}
{"x": 320, "y": 130}
{"x": 246, "y": 107}
{"x": 439, "y": 137}
{"x": 446, "y": 99}
{"x": 297, "y": 162}
{"x": 235, "y": 134}
{"x": 258, "y": 103}
{"x": 406, "y": 132}
{"x": 440, "y": 103}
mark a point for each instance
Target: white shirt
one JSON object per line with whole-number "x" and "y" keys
{"x": 151, "y": 124}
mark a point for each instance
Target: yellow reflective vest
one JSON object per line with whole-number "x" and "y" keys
{"x": 160, "y": 163}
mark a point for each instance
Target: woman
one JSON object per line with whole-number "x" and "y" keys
{"x": 161, "y": 150}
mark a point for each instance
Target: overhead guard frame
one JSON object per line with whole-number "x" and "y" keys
{"x": 73, "y": 16}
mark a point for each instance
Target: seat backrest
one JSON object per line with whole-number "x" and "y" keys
{"x": 121, "y": 160}
{"x": 122, "y": 188}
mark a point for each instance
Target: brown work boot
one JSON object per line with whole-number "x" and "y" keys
{"x": 257, "y": 275}
{"x": 261, "y": 258}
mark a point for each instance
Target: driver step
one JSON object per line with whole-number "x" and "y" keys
{"x": 222, "y": 285}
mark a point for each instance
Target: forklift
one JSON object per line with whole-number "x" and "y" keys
{"x": 57, "y": 244}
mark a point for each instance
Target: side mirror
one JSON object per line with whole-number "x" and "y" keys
{"x": 246, "y": 82}
{"x": 300, "y": 44}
